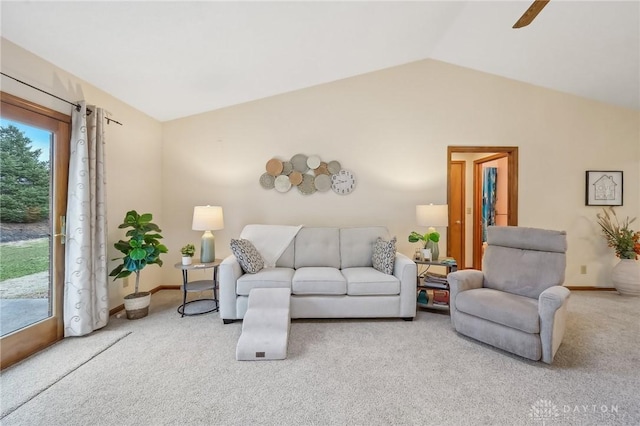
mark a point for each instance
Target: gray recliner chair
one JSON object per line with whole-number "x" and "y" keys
{"x": 517, "y": 302}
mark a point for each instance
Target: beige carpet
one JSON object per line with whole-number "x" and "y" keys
{"x": 173, "y": 370}
{"x": 26, "y": 380}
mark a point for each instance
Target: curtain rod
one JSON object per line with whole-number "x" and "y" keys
{"x": 77, "y": 106}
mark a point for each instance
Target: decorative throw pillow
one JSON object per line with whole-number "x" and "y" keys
{"x": 384, "y": 255}
{"x": 247, "y": 255}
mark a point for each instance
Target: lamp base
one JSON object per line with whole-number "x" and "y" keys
{"x": 207, "y": 247}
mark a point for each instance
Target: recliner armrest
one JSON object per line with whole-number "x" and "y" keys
{"x": 466, "y": 279}
{"x": 551, "y": 299}
{"x": 552, "y": 309}
{"x": 460, "y": 281}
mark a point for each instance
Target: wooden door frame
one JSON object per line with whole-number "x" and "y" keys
{"x": 477, "y": 205}
{"x": 462, "y": 260}
{"x": 22, "y": 343}
{"x": 512, "y": 200}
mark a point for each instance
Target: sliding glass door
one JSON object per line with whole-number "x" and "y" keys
{"x": 33, "y": 180}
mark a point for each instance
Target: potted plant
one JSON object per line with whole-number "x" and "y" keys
{"x": 187, "y": 253}
{"x": 626, "y": 243}
{"x": 429, "y": 243}
{"x": 141, "y": 249}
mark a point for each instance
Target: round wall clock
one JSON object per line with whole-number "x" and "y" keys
{"x": 343, "y": 182}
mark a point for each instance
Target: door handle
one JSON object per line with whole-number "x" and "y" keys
{"x": 459, "y": 222}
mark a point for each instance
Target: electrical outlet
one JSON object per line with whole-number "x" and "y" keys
{"x": 583, "y": 269}
{"x": 125, "y": 282}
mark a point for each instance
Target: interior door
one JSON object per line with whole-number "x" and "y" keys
{"x": 512, "y": 190}
{"x": 457, "y": 207}
{"x": 35, "y": 157}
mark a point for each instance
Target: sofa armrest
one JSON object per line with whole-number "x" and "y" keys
{"x": 229, "y": 272}
{"x": 552, "y": 309}
{"x": 460, "y": 281}
{"x": 406, "y": 271}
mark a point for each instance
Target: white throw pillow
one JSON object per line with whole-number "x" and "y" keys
{"x": 247, "y": 255}
{"x": 384, "y": 255}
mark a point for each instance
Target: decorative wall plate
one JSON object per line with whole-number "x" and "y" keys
{"x": 274, "y": 167}
{"x": 321, "y": 169}
{"x": 313, "y": 161}
{"x": 295, "y": 178}
{"x": 287, "y": 168}
{"x": 282, "y": 183}
{"x": 323, "y": 183}
{"x": 334, "y": 167}
{"x": 309, "y": 173}
{"x": 307, "y": 186}
{"x": 267, "y": 181}
{"x": 299, "y": 162}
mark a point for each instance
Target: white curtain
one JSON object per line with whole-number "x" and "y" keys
{"x": 86, "y": 299}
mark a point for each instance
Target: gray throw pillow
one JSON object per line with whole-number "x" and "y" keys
{"x": 247, "y": 255}
{"x": 384, "y": 255}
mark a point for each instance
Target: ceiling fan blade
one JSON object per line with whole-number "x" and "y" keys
{"x": 531, "y": 13}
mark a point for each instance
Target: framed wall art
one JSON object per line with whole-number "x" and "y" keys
{"x": 603, "y": 188}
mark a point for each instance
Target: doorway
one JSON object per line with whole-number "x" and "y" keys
{"x": 35, "y": 159}
{"x": 467, "y": 243}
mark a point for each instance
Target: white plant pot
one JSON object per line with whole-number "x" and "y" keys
{"x": 625, "y": 277}
{"x": 186, "y": 260}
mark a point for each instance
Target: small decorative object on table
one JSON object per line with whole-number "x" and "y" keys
{"x": 187, "y": 253}
{"x": 626, "y": 243}
{"x": 429, "y": 243}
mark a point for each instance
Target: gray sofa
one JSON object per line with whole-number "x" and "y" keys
{"x": 517, "y": 302}
{"x": 329, "y": 272}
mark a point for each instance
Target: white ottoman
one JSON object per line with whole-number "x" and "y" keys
{"x": 265, "y": 327}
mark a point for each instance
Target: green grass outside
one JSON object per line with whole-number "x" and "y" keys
{"x": 18, "y": 260}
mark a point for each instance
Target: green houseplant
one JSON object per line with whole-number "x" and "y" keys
{"x": 429, "y": 240}
{"x": 187, "y": 253}
{"x": 141, "y": 249}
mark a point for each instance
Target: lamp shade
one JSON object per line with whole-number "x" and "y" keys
{"x": 207, "y": 218}
{"x": 432, "y": 215}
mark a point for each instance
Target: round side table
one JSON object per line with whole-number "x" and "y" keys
{"x": 199, "y": 306}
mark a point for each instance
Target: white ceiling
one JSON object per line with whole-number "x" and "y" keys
{"x": 174, "y": 59}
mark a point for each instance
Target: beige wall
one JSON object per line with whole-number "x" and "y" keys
{"x": 133, "y": 150}
{"x": 392, "y": 129}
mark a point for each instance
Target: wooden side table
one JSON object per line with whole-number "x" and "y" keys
{"x": 199, "y": 306}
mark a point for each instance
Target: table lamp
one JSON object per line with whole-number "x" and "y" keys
{"x": 431, "y": 215}
{"x": 207, "y": 219}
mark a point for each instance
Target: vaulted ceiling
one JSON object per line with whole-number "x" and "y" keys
{"x": 174, "y": 59}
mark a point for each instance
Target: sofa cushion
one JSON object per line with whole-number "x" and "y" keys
{"x": 317, "y": 247}
{"x": 266, "y": 278}
{"x": 384, "y": 255}
{"x": 356, "y": 245}
{"x": 514, "y": 311}
{"x": 247, "y": 255}
{"x": 318, "y": 280}
{"x": 369, "y": 281}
